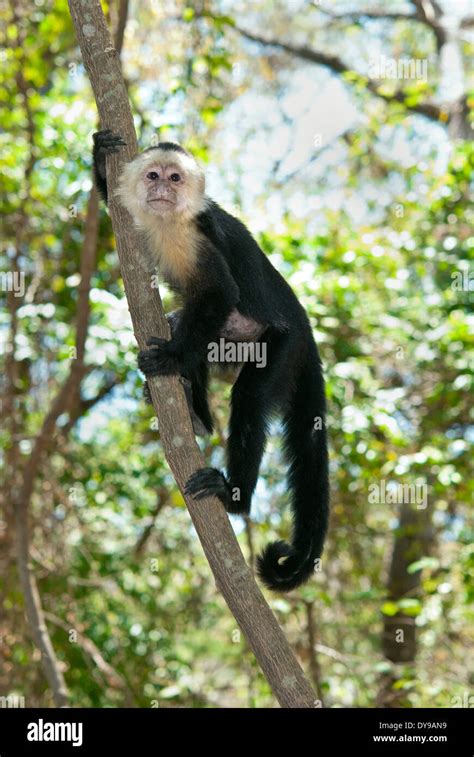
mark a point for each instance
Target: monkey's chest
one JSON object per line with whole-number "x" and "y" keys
{"x": 175, "y": 253}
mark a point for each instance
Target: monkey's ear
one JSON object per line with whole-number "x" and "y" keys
{"x": 129, "y": 188}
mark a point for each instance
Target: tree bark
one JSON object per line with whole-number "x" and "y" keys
{"x": 413, "y": 540}
{"x": 233, "y": 577}
{"x": 314, "y": 666}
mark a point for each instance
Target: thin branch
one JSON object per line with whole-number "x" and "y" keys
{"x": 355, "y": 17}
{"x": 68, "y": 395}
{"x": 334, "y": 63}
{"x": 83, "y": 406}
{"x": 422, "y": 16}
{"x": 313, "y": 658}
{"x": 467, "y": 22}
{"x": 233, "y": 577}
{"x": 35, "y": 614}
{"x": 428, "y": 12}
{"x": 120, "y": 24}
{"x": 333, "y": 653}
{"x": 112, "y": 678}
{"x": 248, "y": 531}
{"x": 66, "y": 398}
{"x": 162, "y": 498}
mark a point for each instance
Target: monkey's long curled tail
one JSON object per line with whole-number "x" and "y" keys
{"x": 283, "y": 567}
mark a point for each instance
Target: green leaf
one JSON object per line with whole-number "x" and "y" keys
{"x": 390, "y": 608}
{"x": 425, "y": 562}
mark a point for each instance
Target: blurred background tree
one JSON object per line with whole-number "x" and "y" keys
{"x": 357, "y": 182}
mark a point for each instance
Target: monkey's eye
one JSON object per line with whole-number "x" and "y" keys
{"x": 175, "y": 177}
{"x": 152, "y": 175}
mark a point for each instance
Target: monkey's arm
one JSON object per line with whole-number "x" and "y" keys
{"x": 209, "y": 301}
{"x": 105, "y": 143}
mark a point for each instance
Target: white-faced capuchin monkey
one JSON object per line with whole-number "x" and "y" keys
{"x": 230, "y": 289}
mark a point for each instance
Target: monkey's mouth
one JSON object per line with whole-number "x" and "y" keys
{"x": 161, "y": 199}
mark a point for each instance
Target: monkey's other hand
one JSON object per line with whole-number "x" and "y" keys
{"x": 161, "y": 360}
{"x": 210, "y": 482}
{"x": 105, "y": 143}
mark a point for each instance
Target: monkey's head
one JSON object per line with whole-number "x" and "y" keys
{"x": 162, "y": 183}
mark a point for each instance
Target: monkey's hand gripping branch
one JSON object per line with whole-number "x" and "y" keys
{"x": 162, "y": 360}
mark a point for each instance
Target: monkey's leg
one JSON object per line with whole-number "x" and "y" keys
{"x": 195, "y": 388}
{"x": 198, "y": 397}
{"x": 255, "y": 394}
{"x": 201, "y": 420}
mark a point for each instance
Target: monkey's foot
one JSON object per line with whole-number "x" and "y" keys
{"x": 158, "y": 362}
{"x": 199, "y": 428}
{"x": 210, "y": 482}
{"x": 107, "y": 142}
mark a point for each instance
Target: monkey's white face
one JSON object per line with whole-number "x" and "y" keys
{"x": 161, "y": 184}
{"x": 165, "y": 187}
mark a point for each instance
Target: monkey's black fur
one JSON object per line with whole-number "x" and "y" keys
{"x": 167, "y": 147}
{"x": 233, "y": 273}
